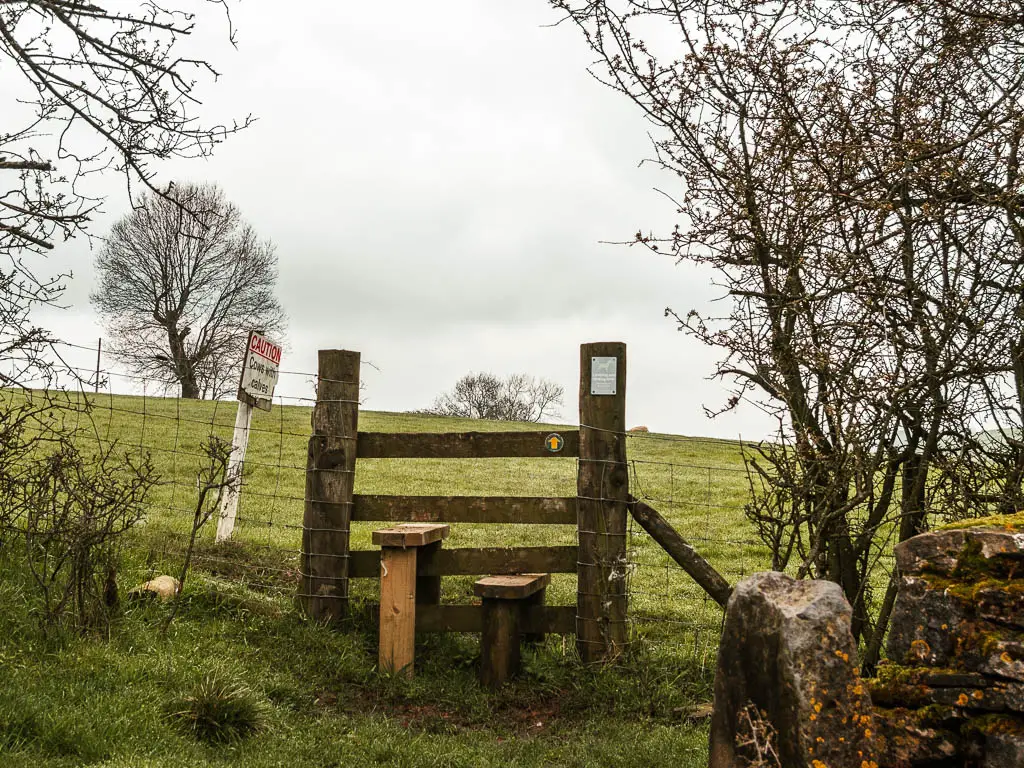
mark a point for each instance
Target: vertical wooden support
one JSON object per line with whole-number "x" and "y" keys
{"x": 330, "y": 480}
{"x": 398, "y": 590}
{"x": 397, "y": 610}
{"x": 499, "y": 643}
{"x": 602, "y": 505}
{"x": 428, "y": 588}
{"x": 505, "y": 599}
{"x": 536, "y": 600}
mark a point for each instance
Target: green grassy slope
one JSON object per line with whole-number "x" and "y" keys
{"x": 80, "y": 700}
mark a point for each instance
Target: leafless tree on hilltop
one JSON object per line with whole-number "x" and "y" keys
{"x": 182, "y": 281}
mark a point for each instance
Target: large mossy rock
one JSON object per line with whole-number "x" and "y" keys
{"x": 961, "y": 602}
{"x": 963, "y": 552}
{"x": 787, "y": 650}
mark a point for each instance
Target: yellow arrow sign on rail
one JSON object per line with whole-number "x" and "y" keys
{"x": 554, "y": 442}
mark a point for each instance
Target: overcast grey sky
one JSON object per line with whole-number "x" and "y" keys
{"x": 437, "y": 179}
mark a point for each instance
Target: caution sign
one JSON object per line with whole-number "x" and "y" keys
{"x": 259, "y": 371}
{"x": 554, "y": 442}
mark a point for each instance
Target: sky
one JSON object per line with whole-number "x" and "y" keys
{"x": 441, "y": 182}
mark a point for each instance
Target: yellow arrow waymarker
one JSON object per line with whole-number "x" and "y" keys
{"x": 554, "y": 442}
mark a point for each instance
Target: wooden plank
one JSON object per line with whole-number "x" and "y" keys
{"x": 397, "y": 611}
{"x": 330, "y": 479}
{"x": 511, "y": 587}
{"x": 365, "y": 563}
{"x": 603, "y": 489}
{"x": 554, "y": 619}
{"x": 467, "y": 445}
{"x": 465, "y": 509}
{"x": 699, "y": 569}
{"x": 410, "y": 535}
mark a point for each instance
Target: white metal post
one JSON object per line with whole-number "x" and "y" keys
{"x": 229, "y": 501}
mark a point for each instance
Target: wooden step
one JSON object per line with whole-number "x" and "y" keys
{"x": 511, "y": 587}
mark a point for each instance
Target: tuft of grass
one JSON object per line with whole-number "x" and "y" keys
{"x": 218, "y": 711}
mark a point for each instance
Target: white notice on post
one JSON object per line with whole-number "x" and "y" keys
{"x": 259, "y": 371}
{"x": 603, "y": 372}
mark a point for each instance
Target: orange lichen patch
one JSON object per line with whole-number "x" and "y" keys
{"x": 868, "y": 764}
{"x": 920, "y": 649}
{"x": 978, "y": 695}
{"x": 842, "y": 655}
{"x": 962, "y": 700}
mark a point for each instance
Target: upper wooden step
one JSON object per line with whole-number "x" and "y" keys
{"x": 410, "y": 535}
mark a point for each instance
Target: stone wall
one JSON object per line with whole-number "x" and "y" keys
{"x": 952, "y": 691}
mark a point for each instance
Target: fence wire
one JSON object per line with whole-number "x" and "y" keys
{"x": 698, "y": 485}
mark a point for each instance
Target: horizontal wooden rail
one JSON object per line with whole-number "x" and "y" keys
{"x": 468, "y": 445}
{"x": 465, "y": 509}
{"x": 553, "y": 619}
{"x": 496, "y": 561}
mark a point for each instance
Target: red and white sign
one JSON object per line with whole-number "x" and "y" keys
{"x": 264, "y": 347}
{"x": 259, "y": 371}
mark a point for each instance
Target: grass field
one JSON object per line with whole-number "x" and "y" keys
{"x": 90, "y": 701}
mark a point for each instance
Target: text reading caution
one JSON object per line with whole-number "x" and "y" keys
{"x": 554, "y": 442}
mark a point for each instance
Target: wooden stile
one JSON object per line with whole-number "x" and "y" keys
{"x": 599, "y": 511}
{"x": 330, "y": 478}
{"x": 603, "y": 490}
{"x": 466, "y": 445}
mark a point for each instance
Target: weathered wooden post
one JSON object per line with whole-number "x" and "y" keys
{"x": 330, "y": 481}
{"x": 602, "y": 506}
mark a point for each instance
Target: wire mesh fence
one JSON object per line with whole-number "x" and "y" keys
{"x": 698, "y": 485}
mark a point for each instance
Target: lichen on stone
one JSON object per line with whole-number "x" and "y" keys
{"x": 1014, "y": 522}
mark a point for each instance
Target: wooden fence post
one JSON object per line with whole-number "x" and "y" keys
{"x": 602, "y": 506}
{"x": 330, "y": 481}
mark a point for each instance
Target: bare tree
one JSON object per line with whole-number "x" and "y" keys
{"x": 104, "y": 90}
{"x": 517, "y": 397}
{"x": 182, "y": 280}
{"x": 849, "y": 173}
